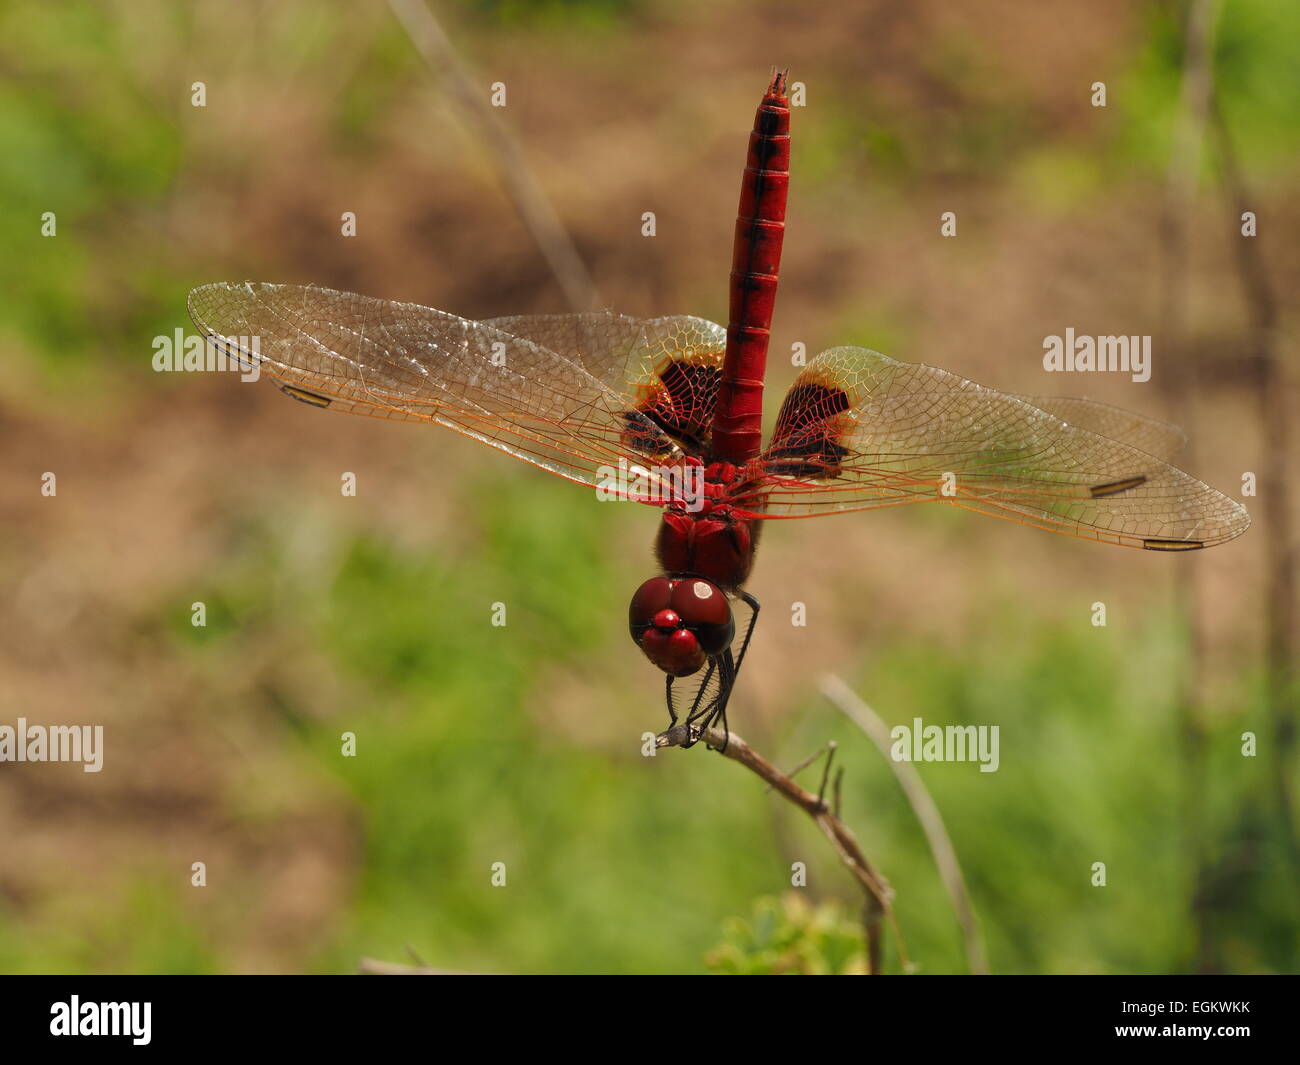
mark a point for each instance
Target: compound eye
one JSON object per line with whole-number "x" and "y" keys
{"x": 651, "y": 599}
{"x": 677, "y": 652}
{"x": 704, "y": 609}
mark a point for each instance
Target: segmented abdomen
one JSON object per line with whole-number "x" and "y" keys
{"x": 760, "y": 228}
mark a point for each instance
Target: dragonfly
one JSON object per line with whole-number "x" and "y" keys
{"x": 675, "y": 406}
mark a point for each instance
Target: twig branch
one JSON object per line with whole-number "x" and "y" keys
{"x": 534, "y": 208}
{"x": 879, "y": 894}
{"x": 842, "y": 697}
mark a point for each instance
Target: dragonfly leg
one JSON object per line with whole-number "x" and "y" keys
{"x": 727, "y": 670}
{"x": 668, "y": 696}
{"x": 730, "y": 670}
{"x": 726, "y": 729}
{"x": 752, "y": 603}
{"x": 696, "y": 712}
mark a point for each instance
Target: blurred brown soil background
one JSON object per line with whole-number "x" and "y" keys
{"x": 912, "y": 110}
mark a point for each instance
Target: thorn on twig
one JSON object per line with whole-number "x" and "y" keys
{"x": 826, "y": 773}
{"x": 805, "y": 763}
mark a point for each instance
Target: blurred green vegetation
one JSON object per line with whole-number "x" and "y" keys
{"x": 568, "y": 16}
{"x": 787, "y": 936}
{"x": 81, "y": 141}
{"x": 83, "y": 135}
{"x": 1254, "y": 46}
{"x": 616, "y": 862}
{"x": 143, "y": 928}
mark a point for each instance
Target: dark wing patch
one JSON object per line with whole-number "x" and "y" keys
{"x": 672, "y": 366}
{"x": 804, "y": 443}
{"x": 682, "y": 402}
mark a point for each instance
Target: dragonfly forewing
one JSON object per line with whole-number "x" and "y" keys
{"x": 576, "y": 411}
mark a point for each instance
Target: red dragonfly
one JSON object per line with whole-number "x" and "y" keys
{"x": 677, "y": 402}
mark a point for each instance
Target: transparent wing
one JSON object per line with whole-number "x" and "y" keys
{"x": 569, "y": 393}
{"x": 860, "y": 430}
{"x": 670, "y": 366}
{"x": 1155, "y": 437}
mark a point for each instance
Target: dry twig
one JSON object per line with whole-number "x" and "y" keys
{"x": 842, "y": 697}
{"x": 876, "y": 888}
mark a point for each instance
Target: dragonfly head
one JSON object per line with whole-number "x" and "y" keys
{"x": 679, "y": 622}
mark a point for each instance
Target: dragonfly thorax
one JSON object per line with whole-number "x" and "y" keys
{"x": 711, "y": 537}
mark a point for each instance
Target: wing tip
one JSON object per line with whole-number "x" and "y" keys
{"x": 1235, "y": 528}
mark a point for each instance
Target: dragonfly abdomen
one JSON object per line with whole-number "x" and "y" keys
{"x": 755, "y": 265}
